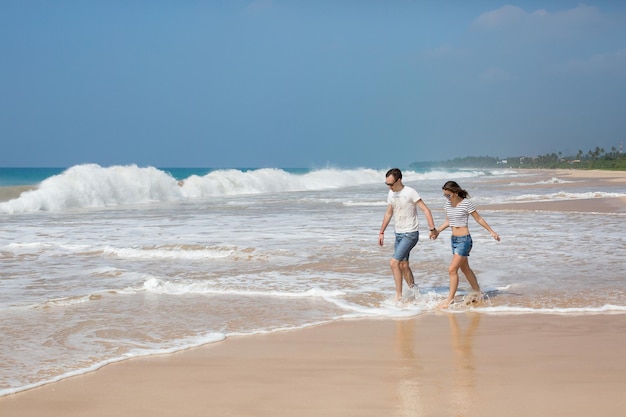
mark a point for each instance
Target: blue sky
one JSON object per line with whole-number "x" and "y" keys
{"x": 277, "y": 83}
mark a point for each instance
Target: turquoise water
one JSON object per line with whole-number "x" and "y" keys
{"x": 26, "y": 176}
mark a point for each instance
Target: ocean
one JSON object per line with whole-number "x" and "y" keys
{"x": 101, "y": 264}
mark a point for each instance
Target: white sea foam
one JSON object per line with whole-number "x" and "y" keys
{"x": 85, "y": 186}
{"x": 93, "y": 186}
{"x": 551, "y": 181}
{"x": 161, "y": 286}
{"x": 169, "y": 253}
{"x": 558, "y": 311}
{"x": 562, "y": 195}
{"x": 365, "y": 203}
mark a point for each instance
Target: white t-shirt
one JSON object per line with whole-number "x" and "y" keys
{"x": 404, "y": 209}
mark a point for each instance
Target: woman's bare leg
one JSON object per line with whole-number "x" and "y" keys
{"x": 453, "y": 271}
{"x": 469, "y": 274}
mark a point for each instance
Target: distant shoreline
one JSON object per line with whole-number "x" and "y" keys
{"x": 613, "y": 160}
{"x": 12, "y": 192}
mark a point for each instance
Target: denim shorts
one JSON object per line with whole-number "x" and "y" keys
{"x": 461, "y": 245}
{"x": 404, "y": 243}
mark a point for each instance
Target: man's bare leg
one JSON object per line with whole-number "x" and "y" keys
{"x": 407, "y": 273}
{"x": 397, "y": 277}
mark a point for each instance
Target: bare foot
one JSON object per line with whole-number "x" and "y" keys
{"x": 445, "y": 304}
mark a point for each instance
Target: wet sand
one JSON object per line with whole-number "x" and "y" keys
{"x": 442, "y": 364}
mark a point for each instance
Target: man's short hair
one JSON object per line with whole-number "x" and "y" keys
{"x": 395, "y": 172}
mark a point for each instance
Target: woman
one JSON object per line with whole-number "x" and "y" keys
{"x": 458, "y": 208}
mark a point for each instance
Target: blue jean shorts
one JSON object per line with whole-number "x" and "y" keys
{"x": 461, "y": 245}
{"x": 404, "y": 243}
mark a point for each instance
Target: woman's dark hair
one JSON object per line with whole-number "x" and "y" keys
{"x": 453, "y": 187}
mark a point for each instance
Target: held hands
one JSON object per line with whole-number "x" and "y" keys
{"x": 434, "y": 233}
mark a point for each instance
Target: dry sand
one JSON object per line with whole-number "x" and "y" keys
{"x": 441, "y": 364}
{"x": 12, "y": 192}
{"x": 609, "y": 181}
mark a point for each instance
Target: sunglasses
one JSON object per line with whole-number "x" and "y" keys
{"x": 448, "y": 196}
{"x": 392, "y": 184}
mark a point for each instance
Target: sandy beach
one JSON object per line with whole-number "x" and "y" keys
{"x": 12, "y": 192}
{"x": 436, "y": 364}
{"x": 598, "y": 178}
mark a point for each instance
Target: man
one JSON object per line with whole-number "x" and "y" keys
{"x": 403, "y": 202}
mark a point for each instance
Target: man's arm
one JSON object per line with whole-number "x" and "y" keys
{"x": 386, "y": 220}
{"x": 429, "y": 218}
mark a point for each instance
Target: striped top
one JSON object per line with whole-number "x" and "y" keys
{"x": 457, "y": 216}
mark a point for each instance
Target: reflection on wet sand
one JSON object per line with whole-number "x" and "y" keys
{"x": 450, "y": 391}
{"x": 463, "y": 400}
{"x": 409, "y": 389}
